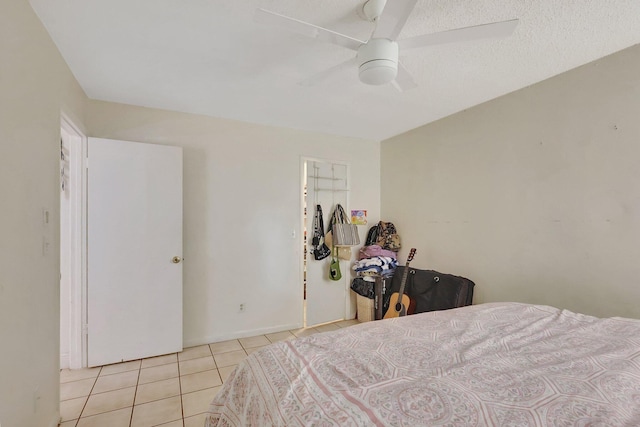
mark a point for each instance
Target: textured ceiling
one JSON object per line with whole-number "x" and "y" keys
{"x": 210, "y": 57}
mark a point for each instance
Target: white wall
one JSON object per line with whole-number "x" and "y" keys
{"x": 242, "y": 199}
{"x": 535, "y": 196}
{"x": 35, "y": 84}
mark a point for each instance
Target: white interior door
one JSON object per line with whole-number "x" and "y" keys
{"x": 326, "y": 299}
{"x": 134, "y": 231}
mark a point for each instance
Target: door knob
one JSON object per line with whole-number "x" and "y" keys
{"x": 176, "y": 259}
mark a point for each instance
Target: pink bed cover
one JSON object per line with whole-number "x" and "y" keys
{"x": 498, "y": 364}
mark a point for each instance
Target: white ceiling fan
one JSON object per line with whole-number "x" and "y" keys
{"x": 377, "y": 58}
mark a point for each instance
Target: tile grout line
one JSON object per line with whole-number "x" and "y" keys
{"x": 135, "y": 394}
{"x": 88, "y": 396}
{"x": 180, "y": 388}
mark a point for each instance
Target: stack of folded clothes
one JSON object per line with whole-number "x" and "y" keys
{"x": 368, "y": 268}
{"x": 373, "y": 261}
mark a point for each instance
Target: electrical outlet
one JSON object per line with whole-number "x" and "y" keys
{"x": 242, "y": 308}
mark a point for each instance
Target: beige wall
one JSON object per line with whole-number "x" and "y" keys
{"x": 242, "y": 201}
{"x": 35, "y": 85}
{"x": 535, "y": 195}
{"x": 242, "y": 198}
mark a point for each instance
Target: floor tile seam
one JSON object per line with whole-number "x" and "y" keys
{"x": 245, "y": 354}
{"x": 135, "y": 394}
{"x": 194, "y": 415}
{"x": 199, "y": 372}
{"x": 207, "y": 387}
{"x": 121, "y": 372}
{"x": 204, "y": 357}
{"x": 106, "y": 412}
{"x": 180, "y": 390}
{"x": 95, "y": 393}
{"x": 78, "y": 397}
{"x": 218, "y": 354}
{"x": 260, "y": 345}
{"x": 223, "y": 352}
{"x": 160, "y": 364}
{"x": 219, "y": 377}
{"x": 88, "y": 396}
{"x": 156, "y": 400}
{"x": 161, "y": 379}
{"x": 79, "y": 379}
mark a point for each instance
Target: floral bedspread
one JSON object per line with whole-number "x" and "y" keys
{"x": 499, "y": 364}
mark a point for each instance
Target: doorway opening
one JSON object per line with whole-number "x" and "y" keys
{"x": 324, "y": 184}
{"x": 72, "y": 246}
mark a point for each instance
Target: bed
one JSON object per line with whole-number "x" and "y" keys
{"x": 497, "y": 364}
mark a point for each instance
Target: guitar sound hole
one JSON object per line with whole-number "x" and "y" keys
{"x": 398, "y": 307}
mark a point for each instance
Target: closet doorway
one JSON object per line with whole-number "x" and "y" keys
{"x": 72, "y": 246}
{"x": 325, "y": 183}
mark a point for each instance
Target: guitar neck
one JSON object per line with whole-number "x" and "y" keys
{"x": 403, "y": 282}
{"x": 405, "y": 273}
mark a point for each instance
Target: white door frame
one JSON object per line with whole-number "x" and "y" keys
{"x": 303, "y": 197}
{"x": 77, "y": 243}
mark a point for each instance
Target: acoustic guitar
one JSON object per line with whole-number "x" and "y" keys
{"x": 401, "y": 304}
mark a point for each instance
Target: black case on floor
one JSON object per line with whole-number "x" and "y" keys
{"x": 432, "y": 290}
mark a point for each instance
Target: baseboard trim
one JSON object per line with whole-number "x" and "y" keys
{"x": 239, "y": 334}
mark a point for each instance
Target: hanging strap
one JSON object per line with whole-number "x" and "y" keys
{"x": 318, "y": 225}
{"x": 339, "y": 216}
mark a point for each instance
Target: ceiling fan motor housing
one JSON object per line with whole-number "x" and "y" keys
{"x": 378, "y": 61}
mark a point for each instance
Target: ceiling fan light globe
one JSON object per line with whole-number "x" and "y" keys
{"x": 378, "y": 60}
{"x": 378, "y": 72}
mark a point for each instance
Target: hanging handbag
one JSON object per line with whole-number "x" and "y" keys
{"x": 344, "y": 233}
{"x": 344, "y": 252}
{"x": 388, "y": 238}
{"x": 334, "y": 267}
{"x": 320, "y": 249}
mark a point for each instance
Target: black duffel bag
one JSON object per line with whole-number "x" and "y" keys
{"x": 432, "y": 290}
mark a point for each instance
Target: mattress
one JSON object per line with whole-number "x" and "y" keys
{"x": 498, "y": 364}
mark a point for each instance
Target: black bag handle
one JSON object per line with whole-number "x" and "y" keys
{"x": 318, "y": 227}
{"x": 339, "y": 216}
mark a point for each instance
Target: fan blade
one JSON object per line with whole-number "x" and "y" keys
{"x": 393, "y": 18}
{"x": 404, "y": 81}
{"x": 267, "y": 17}
{"x": 493, "y": 30}
{"x": 322, "y": 75}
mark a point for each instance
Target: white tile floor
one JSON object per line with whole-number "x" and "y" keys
{"x": 169, "y": 391}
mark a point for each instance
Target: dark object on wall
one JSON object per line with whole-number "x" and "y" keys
{"x": 384, "y": 234}
{"x": 388, "y": 237}
{"x": 320, "y": 249}
{"x": 432, "y": 290}
{"x": 372, "y": 236}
